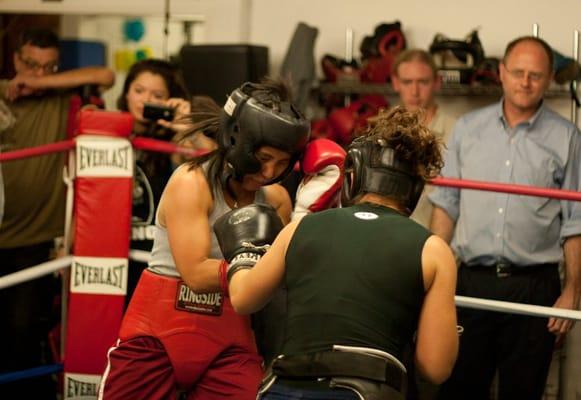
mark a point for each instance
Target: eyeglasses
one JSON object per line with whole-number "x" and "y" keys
{"x": 521, "y": 74}
{"x": 50, "y": 67}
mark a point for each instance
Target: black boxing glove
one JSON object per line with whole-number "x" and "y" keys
{"x": 244, "y": 235}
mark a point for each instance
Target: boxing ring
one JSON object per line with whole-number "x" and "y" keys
{"x": 101, "y": 164}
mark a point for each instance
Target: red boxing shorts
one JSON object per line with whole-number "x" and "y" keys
{"x": 171, "y": 337}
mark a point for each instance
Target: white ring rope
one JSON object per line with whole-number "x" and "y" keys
{"x": 48, "y": 267}
{"x": 37, "y": 271}
{"x": 517, "y": 308}
{"x": 461, "y": 301}
{"x": 68, "y": 179}
{"x": 139, "y": 255}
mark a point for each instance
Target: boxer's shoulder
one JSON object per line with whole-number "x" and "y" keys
{"x": 188, "y": 178}
{"x": 277, "y": 196}
{"x": 276, "y": 193}
{"x": 187, "y": 187}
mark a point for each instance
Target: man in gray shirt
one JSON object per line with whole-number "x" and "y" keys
{"x": 509, "y": 246}
{"x": 415, "y": 79}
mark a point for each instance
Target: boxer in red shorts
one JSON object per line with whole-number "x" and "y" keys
{"x": 180, "y": 332}
{"x": 174, "y": 338}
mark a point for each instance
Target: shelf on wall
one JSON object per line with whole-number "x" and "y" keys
{"x": 446, "y": 90}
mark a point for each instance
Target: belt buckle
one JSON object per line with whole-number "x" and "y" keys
{"x": 503, "y": 270}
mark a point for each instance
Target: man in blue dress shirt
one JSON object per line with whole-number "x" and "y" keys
{"x": 509, "y": 246}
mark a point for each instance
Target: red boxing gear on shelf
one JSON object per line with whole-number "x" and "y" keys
{"x": 323, "y": 168}
{"x": 339, "y": 70}
{"x": 345, "y": 122}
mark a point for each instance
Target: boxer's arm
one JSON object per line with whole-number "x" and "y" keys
{"x": 441, "y": 224}
{"x": 571, "y": 293}
{"x": 251, "y": 289}
{"x": 278, "y": 197}
{"x": 185, "y": 204}
{"x": 437, "y": 338}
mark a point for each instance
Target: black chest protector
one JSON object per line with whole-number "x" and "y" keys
{"x": 373, "y": 167}
{"x": 246, "y": 125}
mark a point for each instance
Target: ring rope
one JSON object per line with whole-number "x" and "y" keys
{"x": 37, "y": 271}
{"x": 461, "y": 301}
{"x": 143, "y": 143}
{"x": 168, "y": 147}
{"x": 140, "y": 143}
{"x": 517, "y": 308}
{"x": 139, "y": 255}
{"x": 30, "y": 373}
{"x": 43, "y": 149}
{"x": 507, "y": 188}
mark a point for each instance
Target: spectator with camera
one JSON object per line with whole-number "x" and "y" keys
{"x": 154, "y": 94}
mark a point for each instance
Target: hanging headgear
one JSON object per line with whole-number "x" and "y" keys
{"x": 373, "y": 167}
{"x": 246, "y": 125}
{"x": 457, "y": 60}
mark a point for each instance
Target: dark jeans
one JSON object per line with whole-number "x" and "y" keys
{"x": 26, "y": 316}
{"x": 280, "y": 392}
{"x": 520, "y": 347}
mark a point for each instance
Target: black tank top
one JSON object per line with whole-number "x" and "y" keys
{"x": 354, "y": 277}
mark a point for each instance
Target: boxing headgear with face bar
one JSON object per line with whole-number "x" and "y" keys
{"x": 373, "y": 167}
{"x": 246, "y": 125}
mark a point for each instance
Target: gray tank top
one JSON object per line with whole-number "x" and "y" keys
{"x": 162, "y": 262}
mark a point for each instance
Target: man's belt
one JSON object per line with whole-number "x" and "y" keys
{"x": 330, "y": 364}
{"x": 504, "y": 269}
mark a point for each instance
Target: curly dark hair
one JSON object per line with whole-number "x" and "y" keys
{"x": 405, "y": 132}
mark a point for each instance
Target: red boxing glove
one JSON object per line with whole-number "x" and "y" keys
{"x": 322, "y": 165}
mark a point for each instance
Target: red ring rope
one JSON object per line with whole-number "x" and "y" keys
{"x": 37, "y": 150}
{"x": 161, "y": 146}
{"x": 138, "y": 142}
{"x": 167, "y": 147}
{"x": 508, "y": 188}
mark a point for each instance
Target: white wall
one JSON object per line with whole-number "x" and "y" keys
{"x": 227, "y": 20}
{"x": 273, "y": 21}
{"x": 109, "y": 28}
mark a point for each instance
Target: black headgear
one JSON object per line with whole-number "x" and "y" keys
{"x": 246, "y": 125}
{"x": 457, "y": 60}
{"x": 372, "y": 166}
